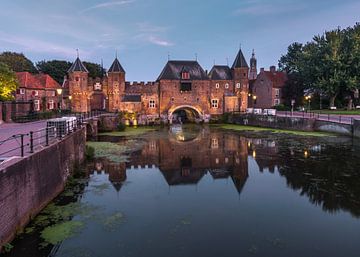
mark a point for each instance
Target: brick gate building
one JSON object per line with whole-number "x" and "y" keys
{"x": 183, "y": 86}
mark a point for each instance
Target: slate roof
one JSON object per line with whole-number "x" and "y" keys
{"x": 173, "y": 69}
{"x": 116, "y": 67}
{"x": 220, "y": 72}
{"x": 132, "y": 98}
{"x": 240, "y": 61}
{"x": 36, "y": 81}
{"x": 78, "y": 66}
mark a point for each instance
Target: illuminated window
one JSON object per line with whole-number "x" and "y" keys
{"x": 152, "y": 103}
{"x": 185, "y": 75}
{"x": 215, "y": 103}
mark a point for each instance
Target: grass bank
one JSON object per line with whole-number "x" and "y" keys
{"x": 129, "y": 131}
{"x": 338, "y": 112}
{"x": 277, "y": 131}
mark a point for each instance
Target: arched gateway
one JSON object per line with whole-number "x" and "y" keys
{"x": 185, "y": 113}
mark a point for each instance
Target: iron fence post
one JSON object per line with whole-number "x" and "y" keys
{"x": 22, "y": 144}
{"x": 31, "y": 142}
{"x": 47, "y": 136}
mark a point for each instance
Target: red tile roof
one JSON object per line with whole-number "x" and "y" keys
{"x": 278, "y": 78}
{"x": 36, "y": 81}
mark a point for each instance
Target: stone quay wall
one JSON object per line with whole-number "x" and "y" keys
{"x": 29, "y": 184}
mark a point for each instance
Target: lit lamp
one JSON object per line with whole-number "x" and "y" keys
{"x": 308, "y": 98}
{"x": 59, "y": 93}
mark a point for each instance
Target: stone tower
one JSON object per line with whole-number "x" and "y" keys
{"x": 240, "y": 72}
{"x": 253, "y": 67}
{"x": 116, "y": 85}
{"x": 78, "y": 87}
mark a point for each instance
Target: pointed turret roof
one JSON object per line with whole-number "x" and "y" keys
{"x": 78, "y": 66}
{"x": 116, "y": 66}
{"x": 240, "y": 61}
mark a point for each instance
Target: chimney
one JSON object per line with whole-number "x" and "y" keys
{"x": 272, "y": 69}
{"x": 262, "y": 69}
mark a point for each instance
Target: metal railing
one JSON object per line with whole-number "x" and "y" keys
{"x": 20, "y": 145}
{"x": 343, "y": 119}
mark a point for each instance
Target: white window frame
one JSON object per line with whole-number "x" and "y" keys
{"x": 215, "y": 103}
{"x": 217, "y": 85}
{"x": 276, "y": 102}
{"x": 22, "y": 91}
{"x": 37, "y": 105}
{"x": 227, "y": 85}
{"x": 238, "y": 85}
{"x": 51, "y": 104}
{"x": 36, "y": 93}
{"x": 152, "y": 103}
{"x": 277, "y": 92}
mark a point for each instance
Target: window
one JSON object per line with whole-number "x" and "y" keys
{"x": 277, "y": 92}
{"x": 172, "y": 99}
{"x": 185, "y": 75}
{"x": 152, "y": 103}
{"x": 52, "y": 93}
{"x": 226, "y": 85}
{"x": 238, "y": 85}
{"x": 214, "y": 143}
{"x": 37, "y": 105}
{"x": 215, "y": 103}
{"x": 97, "y": 86}
{"x": 185, "y": 86}
{"x": 35, "y": 93}
{"x": 276, "y": 101}
{"x": 51, "y": 104}
{"x": 22, "y": 91}
{"x": 77, "y": 78}
{"x": 217, "y": 85}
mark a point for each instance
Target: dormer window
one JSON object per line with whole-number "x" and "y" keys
{"x": 185, "y": 75}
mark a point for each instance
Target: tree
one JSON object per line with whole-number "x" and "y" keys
{"x": 17, "y": 62}
{"x": 56, "y": 69}
{"x": 95, "y": 70}
{"x": 8, "y": 83}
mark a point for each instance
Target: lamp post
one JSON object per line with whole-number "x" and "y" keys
{"x": 59, "y": 93}
{"x": 308, "y": 98}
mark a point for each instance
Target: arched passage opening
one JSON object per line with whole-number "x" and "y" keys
{"x": 185, "y": 114}
{"x": 97, "y": 101}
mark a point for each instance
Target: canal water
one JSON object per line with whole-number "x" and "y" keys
{"x": 204, "y": 191}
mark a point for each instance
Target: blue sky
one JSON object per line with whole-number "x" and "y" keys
{"x": 145, "y": 31}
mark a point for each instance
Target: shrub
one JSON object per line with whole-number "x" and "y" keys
{"x": 121, "y": 127}
{"x": 89, "y": 152}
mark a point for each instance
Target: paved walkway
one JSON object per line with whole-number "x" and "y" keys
{"x": 344, "y": 119}
{"x": 12, "y": 147}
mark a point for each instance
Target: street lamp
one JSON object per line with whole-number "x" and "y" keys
{"x": 308, "y": 98}
{"x": 59, "y": 93}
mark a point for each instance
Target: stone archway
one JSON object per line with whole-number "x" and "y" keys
{"x": 191, "y": 113}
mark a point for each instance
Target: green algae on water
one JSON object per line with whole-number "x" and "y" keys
{"x": 112, "y": 222}
{"x": 129, "y": 131}
{"x": 59, "y": 232}
{"x": 271, "y": 130}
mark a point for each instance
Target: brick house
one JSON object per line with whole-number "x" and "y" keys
{"x": 41, "y": 89}
{"x": 183, "y": 87}
{"x": 266, "y": 90}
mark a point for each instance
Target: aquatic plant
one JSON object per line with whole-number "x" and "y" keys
{"x": 59, "y": 232}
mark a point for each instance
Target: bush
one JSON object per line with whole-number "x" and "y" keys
{"x": 121, "y": 127}
{"x": 281, "y": 107}
{"x": 89, "y": 152}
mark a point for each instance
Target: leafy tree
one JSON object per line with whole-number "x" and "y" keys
{"x": 17, "y": 62}
{"x": 8, "y": 83}
{"x": 56, "y": 69}
{"x": 95, "y": 70}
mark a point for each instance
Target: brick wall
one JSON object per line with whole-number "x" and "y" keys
{"x": 30, "y": 184}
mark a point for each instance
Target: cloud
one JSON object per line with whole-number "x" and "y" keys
{"x": 158, "y": 41}
{"x": 107, "y": 4}
{"x": 38, "y": 46}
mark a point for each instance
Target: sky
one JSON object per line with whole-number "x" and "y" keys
{"x": 144, "y": 33}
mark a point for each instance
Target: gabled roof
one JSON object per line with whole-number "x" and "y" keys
{"x": 78, "y": 66}
{"x": 173, "y": 69}
{"x": 116, "y": 67}
{"x": 240, "y": 61}
{"x": 36, "y": 81}
{"x": 132, "y": 98}
{"x": 220, "y": 72}
{"x": 278, "y": 78}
